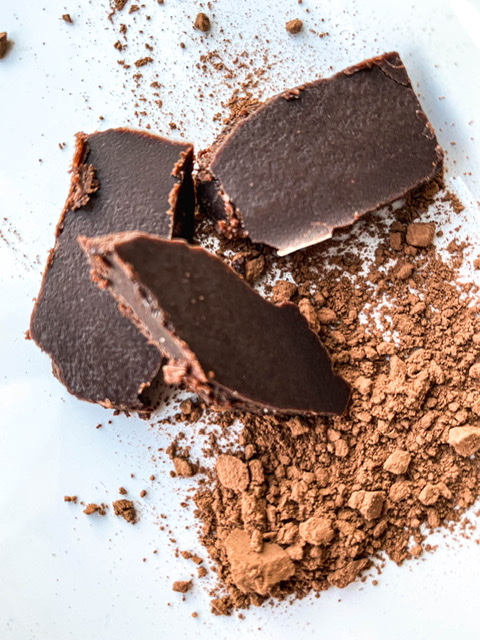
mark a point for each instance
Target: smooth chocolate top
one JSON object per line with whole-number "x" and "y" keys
{"x": 222, "y": 339}
{"x": 121, "y": 180}
{"x": 317, "y": 157}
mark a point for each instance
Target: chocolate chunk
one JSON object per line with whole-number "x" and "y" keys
{"x": 222, "y": 339}
{"x": 318, "y": 157}
{"x": 121, "y": 180}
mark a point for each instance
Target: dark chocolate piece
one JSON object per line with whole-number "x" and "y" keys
{"x": 222, "y": 339}
{"x": 121, "y": 180}
{"x": 318, "y": 157}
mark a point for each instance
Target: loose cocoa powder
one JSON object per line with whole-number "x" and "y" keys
{"x": 304, "y": 504}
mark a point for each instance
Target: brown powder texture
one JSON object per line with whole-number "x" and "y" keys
{"x": 311, "y": 503}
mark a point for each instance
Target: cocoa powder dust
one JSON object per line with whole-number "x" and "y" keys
{"x": 298, "y": 505}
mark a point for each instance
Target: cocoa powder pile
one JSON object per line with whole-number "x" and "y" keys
{"x": 296, "y": 505}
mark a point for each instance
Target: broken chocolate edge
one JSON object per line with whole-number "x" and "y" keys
{"x": 231, "y": 225}
{"x": 100, "y": 250}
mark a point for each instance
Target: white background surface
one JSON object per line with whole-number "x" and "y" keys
{"x": 64, "y": 575}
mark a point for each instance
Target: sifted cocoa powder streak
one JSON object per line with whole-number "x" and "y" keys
{"x": 330, "y": 494}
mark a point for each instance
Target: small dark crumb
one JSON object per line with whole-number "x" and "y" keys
{"x": 141, "y": 62}
{"x": 122, "y": 491}
{"x": 3, "y": 44}
{"x": 118, "y": 45}
{"x": 67, "y": 18}
{"x": 194, "y": 614}
{"x": 143, "y": 493}
{"x": 294, "y": 26}
{"x": 172, "y": 125}
{"x": 125, "y": 509}
{"x": 99, "y": 426}
{"x": 70, "y": 498}
{"x": 202, "y": 572}
{"x": 202, "y": 22}
{"x": 182, "y": 45}
{"x": 182, "y": 586}
{"x": 152, "y": 478}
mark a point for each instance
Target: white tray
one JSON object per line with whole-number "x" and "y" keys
{"x": 64, "y": 575}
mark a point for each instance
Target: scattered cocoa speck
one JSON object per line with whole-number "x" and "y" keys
{"x": 125, "y": 509}
{"x": 92, "y": 507}
{"x": 141, "y": 62}
{"x": 70, "y": 499}
{"x": 182, "y": 45}
{"x": 122, "y": 491}
{"x": 152, "y": 478}
{"x": 67, "y": 18}
{"x": 202, "y": 22}
{"x": 294, "y": 26}
{"x": 143, "y": 493}
{"x": 202, "y": 572}
{"x": 182, "y": 586}
{"x": 183, "y": 468}
{"x": 194, "y": 614}
{"x": 187, "y": 407}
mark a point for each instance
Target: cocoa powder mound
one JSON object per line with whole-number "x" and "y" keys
{"x": 312, "y": 503}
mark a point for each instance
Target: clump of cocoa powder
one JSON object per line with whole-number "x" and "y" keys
{"x": 304, "y": 504}
{"x": 125, "y": 509}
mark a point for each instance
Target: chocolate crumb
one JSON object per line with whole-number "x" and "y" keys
{"x": 141, "y": 62}
{"x": 126, "y": 510}
{"x": 182, "y": 586}
{"x": 202, "y": 22}
{"x": 67, "y": 18}
{"x": 92, "y": 507}
{"x": 70, "y": 499}
{"x": 294, "y": 26}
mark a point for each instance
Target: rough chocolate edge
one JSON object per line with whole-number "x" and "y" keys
{"x": 213, "y": 199}
{"x": 188, "y": 370}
